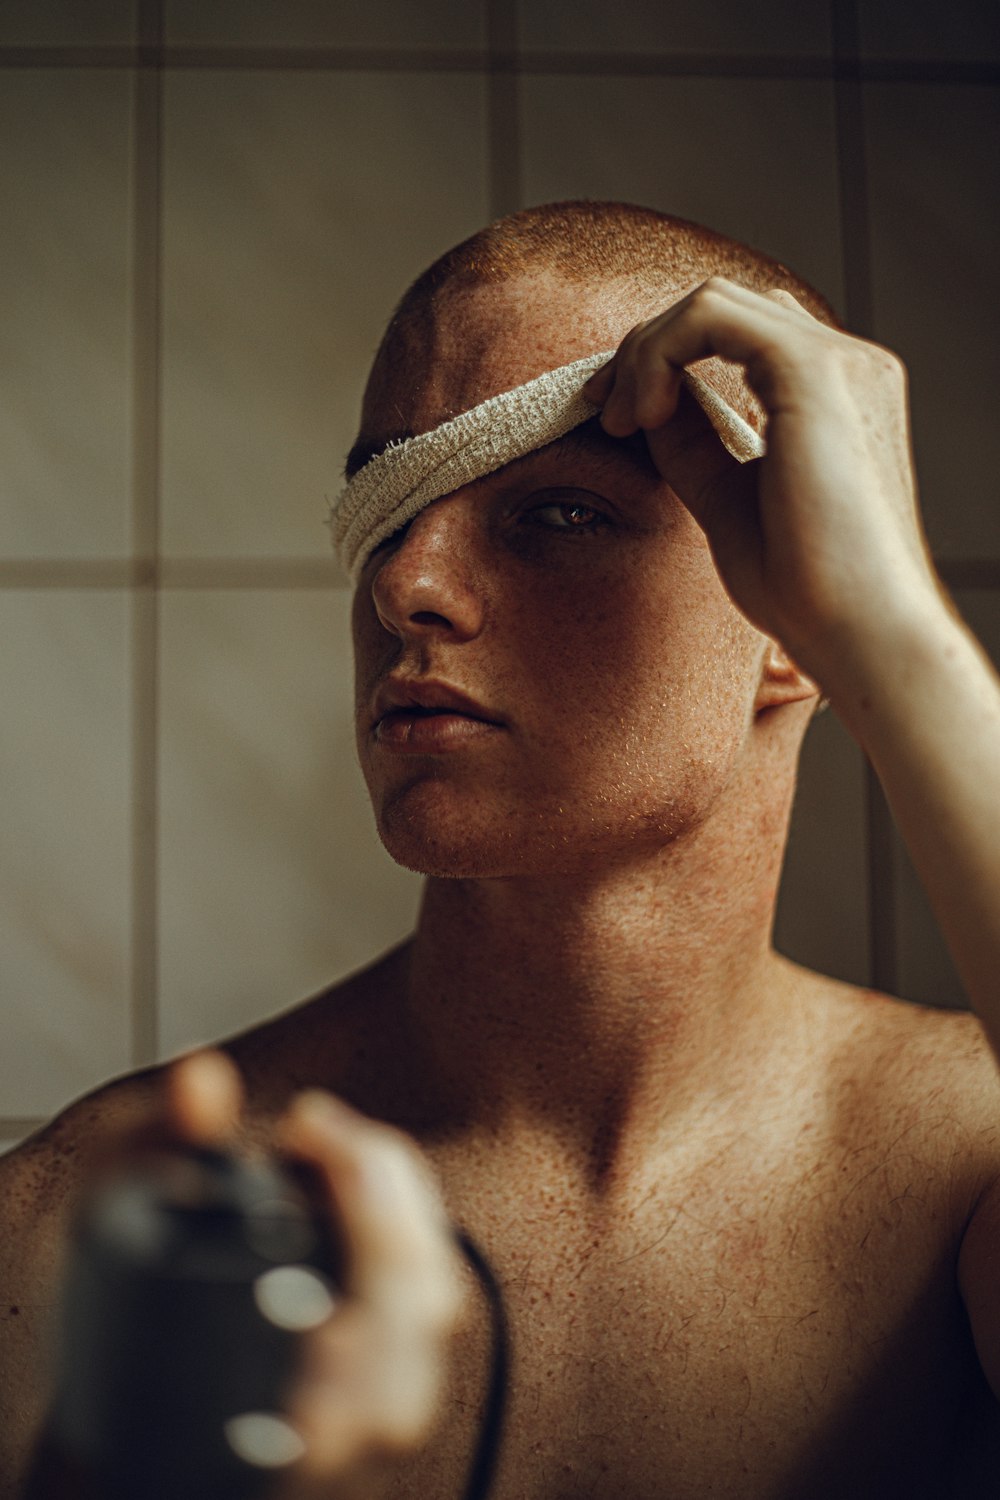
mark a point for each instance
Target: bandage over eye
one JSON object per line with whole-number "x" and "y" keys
{"x": 406, "y": 476}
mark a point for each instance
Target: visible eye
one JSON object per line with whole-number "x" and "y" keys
{"x": 567, "y": 515}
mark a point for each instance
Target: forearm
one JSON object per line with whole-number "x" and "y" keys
{"x": 924, "y": 702}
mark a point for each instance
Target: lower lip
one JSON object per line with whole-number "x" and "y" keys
{"x": 428, "y": 734}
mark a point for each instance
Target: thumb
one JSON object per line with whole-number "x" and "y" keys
{"x": 195, "y": 1101}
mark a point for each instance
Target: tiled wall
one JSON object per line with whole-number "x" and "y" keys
{"x": 208, "y": 209}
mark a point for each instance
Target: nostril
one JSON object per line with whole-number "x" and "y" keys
{"x": 427, "y": 617}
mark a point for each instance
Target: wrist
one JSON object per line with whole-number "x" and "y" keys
{"x": 904, "y": 659}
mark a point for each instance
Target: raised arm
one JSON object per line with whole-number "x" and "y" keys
{"x": 820, "y": 543}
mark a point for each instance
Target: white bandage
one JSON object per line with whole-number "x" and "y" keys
{"x": 400, "y": 481}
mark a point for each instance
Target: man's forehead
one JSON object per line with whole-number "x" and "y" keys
{"x": 476, "y": 341}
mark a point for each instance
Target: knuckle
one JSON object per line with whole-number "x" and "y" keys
{"x": 626, "y": 345}
{"x": 392, "y": 1146}
{"x": 894, "y": 365}
{"x": 715, "y": 288}
{"x": 405, "y": 1157}
{"x": 880, "y": 357}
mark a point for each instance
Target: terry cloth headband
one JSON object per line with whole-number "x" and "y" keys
{"x": 406, "y": 476}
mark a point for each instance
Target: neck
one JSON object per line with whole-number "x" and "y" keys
{"x": 596, "y": 1011}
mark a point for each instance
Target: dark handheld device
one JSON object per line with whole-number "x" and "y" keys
{"x": 191, "y": 1282}
{"x": 189, "y": 1287}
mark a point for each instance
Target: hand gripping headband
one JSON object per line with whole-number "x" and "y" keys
{"x": 399, "y": 482}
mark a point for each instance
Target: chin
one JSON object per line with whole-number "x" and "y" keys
{"x": 483, "y": 843}
{"x": 447, "y": 853}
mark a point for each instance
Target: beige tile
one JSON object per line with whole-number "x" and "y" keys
{"x": 822, "y": 918}
{"x": 298, "y": 208}
{"x": 64, "y": 846}
{"x": 752, "y": 158}
{"x": 64, "y": 352}
{"x": 272, "y": 880}
{"x": 391, "y": 24}
{"x": 925, "y": 968}
{"x": 732, "y": 28}
{"x": 965, "y": 30}
{"x": 65, "y": 23}
{"x": 935, "y": 228}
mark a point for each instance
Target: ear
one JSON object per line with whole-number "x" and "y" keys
{"x": 781, "y": 681}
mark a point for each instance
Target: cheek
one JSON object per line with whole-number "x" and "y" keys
{"x": 643, "y": 683}
{"x": 630, "y": 649}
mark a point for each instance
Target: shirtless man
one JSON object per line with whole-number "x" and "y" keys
{"x": 745, "y": 1217}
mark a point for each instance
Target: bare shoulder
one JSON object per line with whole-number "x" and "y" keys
{"x": 37, "y": 1177}
{"x": 320, "y": 1043}
{"x": 302, "y": 1046}
{"x": 41, "y": 1180}
{"x": 915, "y": 1078}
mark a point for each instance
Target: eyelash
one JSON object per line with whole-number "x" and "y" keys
{"x": 594, "y": 523}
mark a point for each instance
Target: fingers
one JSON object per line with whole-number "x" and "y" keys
{"x": 195, "y": 1101}
{"x": 778, "y": 294}
{"x": 374, "y": 1374}
{"x": 637, "y": 388}
{"x": 640, "y": 387}
{"x": 380, "y": 1187}
{"x": 598, "y": 387}
{"x": 691, "y": 456}
{"x": 202, "y": 1098}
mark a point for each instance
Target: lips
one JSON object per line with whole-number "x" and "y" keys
{"x": 423, "y": 714}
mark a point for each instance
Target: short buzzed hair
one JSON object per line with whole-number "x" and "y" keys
{"x": 589, "y": 241}
{"x": 633, "y": 251}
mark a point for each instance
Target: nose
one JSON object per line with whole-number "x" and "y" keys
{"x": 425, "y": 583}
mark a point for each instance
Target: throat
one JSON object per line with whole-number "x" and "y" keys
{"x": 555, "y": 1025}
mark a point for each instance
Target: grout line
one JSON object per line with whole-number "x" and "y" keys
{"x": 503, "y": 90}
{"x": 251, "y": 573}
{"x": 852, "y": 186}
{"x": 852, "y": 176}
{"x": 147, "y": 158}
{"x": 464, "y": 60}
{"x": 725, "y": 65}
{"x": 74, "y": 573}
{"x": 251, "y": 59}
{"x": 174, "y": 573}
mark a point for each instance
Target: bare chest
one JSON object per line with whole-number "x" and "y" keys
{"x": 756, "y": 1333}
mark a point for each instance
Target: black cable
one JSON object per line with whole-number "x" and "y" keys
{"x": 484, "y": 1460}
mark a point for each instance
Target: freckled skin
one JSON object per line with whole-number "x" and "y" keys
{"x": 679, "y": 1145}
{"x": 724, "y": 1196}
{"x": 614, "y": 655}
{"x": 620, "y": 682}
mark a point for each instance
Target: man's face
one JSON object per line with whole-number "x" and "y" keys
{"x": 606, "y": 679}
